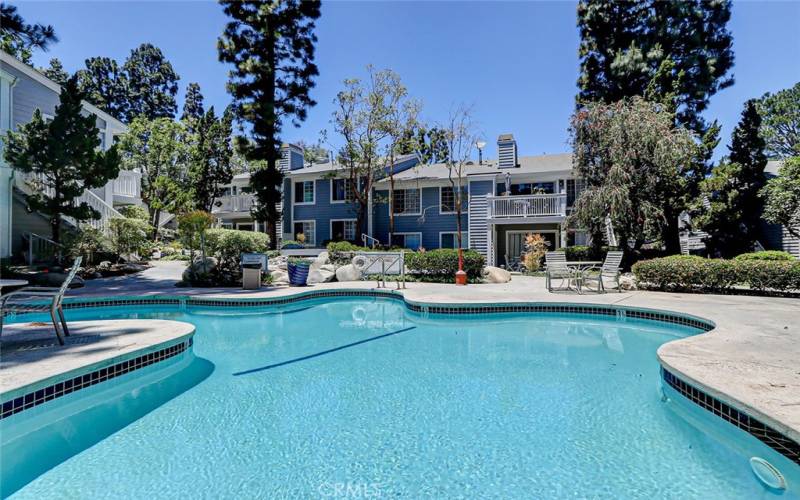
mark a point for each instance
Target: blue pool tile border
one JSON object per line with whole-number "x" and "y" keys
{"x": 763, "y": 432}
{"x": 64, "y": 387}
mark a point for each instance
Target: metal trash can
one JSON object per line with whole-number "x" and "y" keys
{"x": 253, "y": 264}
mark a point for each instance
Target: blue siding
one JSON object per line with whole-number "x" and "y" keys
{"x": 323, "y": 211}
{"x": 481, "y": 188}
{"x": 433, "y": 223}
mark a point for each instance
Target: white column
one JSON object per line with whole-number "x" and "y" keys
{"x": 7, "y": 82}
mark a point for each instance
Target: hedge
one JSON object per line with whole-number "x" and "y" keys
{"x": 581, "y": 252}
{"x": 441, "y": 265}
{"x": 693, "y": 273}
{"x": 341, "y": 252}
{"x": 766, "y": 255}
{"x": 227, "y": 245}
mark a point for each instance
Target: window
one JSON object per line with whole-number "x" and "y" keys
{"x": 304, "y": 192}
{"x": 308, "y": 229}
{"x": 343, "y": 230}
{"x": 245, "y": 226}
{"x": 528, "y": 188}
{"x": 412, "y": 241}
{"x": 450, "y": 239}
{"x": 406, "y": 201}
{"x": 102, "y": 136}
{"x": 226, "y": 225}
{"x": 341, "y": 190}
{"x": 245, "y": 189}
{"x": 447, "y": 199}
{"x": 574, "y": 189}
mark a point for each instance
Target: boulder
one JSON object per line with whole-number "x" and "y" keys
{"x": 321, "y": 274}
{"x": 348, "y": 273}
{"x": 105, "y": 265}
{"x": 278, "y": 263}
{"x": 322, "y": 259}
{"x": 199, "y": 267}
{"x": 496, "y": 275}
{"x": 627, "y": 282}
{"x": 279, "y": 277}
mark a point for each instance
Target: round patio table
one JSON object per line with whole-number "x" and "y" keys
{"x": 580, "y": 266}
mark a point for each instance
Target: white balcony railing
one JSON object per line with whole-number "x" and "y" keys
{"x": 236, "y": 203}
{"x": 129, "y": 183}
{"x": 534, "y": 205}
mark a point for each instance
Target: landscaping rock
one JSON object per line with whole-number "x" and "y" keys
{"x": 496, "y": 275}
{"x": 321, "y": 274}
{"x": 322, "y": 259}
{"x": 278, "y": 263}
{"x": 279, "y": 277}
{"x": 627, "y": 282}
{"x": 104, "y": 266}
{"x": 348, "y": 273}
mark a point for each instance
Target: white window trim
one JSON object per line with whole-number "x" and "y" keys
{"x": 407, "y": 233}
{"x": 313, "y": 194}
{"x": 408, "y": 214}
{"x": 464, "y": 238}
{"x": 313, "y": 224}
{"x": 339, "y": 202}
{"x": 226, "y": 225}
{"x": 330, "y": 227}
{"x": 254, "y": 224}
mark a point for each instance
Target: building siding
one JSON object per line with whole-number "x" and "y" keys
{"x": 430, "y": 225}
{"x": 323, "y": 211}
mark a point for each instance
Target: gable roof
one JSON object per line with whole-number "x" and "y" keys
{"x": 37, "y": 76}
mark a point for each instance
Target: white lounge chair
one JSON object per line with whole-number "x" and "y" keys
{"x": 556, "y": 267}
{"x": 31, "y": 299}
{"x": 610, "y": 270}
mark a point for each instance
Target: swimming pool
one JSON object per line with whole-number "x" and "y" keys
{"x": 364, "y": 397}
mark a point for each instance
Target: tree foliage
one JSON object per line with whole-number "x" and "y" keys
{"x": 624, "y": 44}
{"x": 732, "y": 209}
{"x": 193, "y": 104}
{"x": 782, "y": 197}
{"x": 210, "y": 161}
{"x": 159, "y": 149}
{"x": 270, "y": 45}
{"x": 65, "y": 157}
{"x": 460, "y": 134}
{"x": 145, "y": 84}
{"x": 633, "y": 159}
{"x": 20, "y": 38}
{"x": 780, "y": 125}
{"x": 56, "y": 72}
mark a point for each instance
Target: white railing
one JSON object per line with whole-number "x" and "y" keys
{"x": 129, "y": 183}
{"x": 534, "y": 205}
{"x": 236, "y": 203}
{"x": 41, "y": 248}
{"x": 107, "y": 212}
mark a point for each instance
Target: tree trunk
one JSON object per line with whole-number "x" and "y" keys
{"x": 156, "y": 221}
{"x": 672, "y": 235}
{"x": 55, "y": 227}
{"x": 391, "y": 203}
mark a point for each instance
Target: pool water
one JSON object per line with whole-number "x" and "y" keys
{"x": 363, "y": 398}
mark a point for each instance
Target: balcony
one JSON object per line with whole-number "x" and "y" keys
{"x": 235, "y": 203}
{"x": 527, "y": 206}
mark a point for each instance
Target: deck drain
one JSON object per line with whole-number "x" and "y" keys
{"x": 767, "y": 474}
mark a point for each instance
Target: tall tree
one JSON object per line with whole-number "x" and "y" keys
{"x": 270, "y": 44}
{"x": 782, "y": 197}
{"x": 633, "y": 160}
{"x": 56, "y": 72}
{"x": 159, "y": 150}
{"x": 65, "y": 157}
{"x": 193, "y": 103}
{"x": 210, "y": 164}
{"x": 780, "y": 125}
{"x": 732, "y": 214}
{"x": 152, "y": 83}
{"x": 623, "y": 45}
{"x": 19, "y": 38}
{"x": 105, "y": 85}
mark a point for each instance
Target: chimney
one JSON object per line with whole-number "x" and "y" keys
{"x": 507, "y": 151}
{"x": 291, "y": 157}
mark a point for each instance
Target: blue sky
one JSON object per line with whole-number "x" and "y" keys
{"x": 514, "y": 62}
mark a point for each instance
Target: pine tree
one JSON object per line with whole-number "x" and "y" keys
{"x": 105, "y": 85}
{"x": 193, "y": 103}
{"x": 732, "y": 214}
{"x": 271, "y": 47}
{"x": 64, "y": 154}
{"x": 152, "y": 84}
{"x": 19, "y": 38}
{"x": 56, "y": 72}
{"x": 210, "y": 165}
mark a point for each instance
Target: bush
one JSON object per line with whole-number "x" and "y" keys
{"x": 582, "y": 252}
{"x": 227, "y": 245}
{"x": 291, "y": 244}
{"x": 441, "y": 265}
{"x": 192, "y": 227}
{"x": 130, "y": 236}
{"x": 86, "y": 242}
{"x": 135, "y": 212}
{"x": 685, "y": 272}
{"x": 766, "y": 255}
{"x": 341, "y": 252}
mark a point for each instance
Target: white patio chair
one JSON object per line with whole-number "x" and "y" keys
{"x": 610, "y": 269}
{"x": 556, "y": 267}
{"x": 32, "y": 299}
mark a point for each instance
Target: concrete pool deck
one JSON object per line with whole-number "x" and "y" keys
{"x": 31, "y": 354}
{"x": 751, "y": 360}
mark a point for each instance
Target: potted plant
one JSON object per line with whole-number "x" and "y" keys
{"x": 298, "y": 271}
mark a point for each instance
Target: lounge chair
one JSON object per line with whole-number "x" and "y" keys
{"x": 610, "y": 269}
{"x": 556, "y": 267}
{"x": 32, "y": 299}
{"x": 513, "y": 265}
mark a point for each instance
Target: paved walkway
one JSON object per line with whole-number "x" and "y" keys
{"x": 750, "y": 360}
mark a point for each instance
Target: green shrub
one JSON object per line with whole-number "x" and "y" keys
{"x": 227, "y": 245}
{"x": 292, "y": 244}
{"x": 766, "y": 255}
{"x": 86, "y": 242}
{"x": 582, "y": 252}
{"x": 685, "y": 272}
{"x": 135, "y": 212}
{"x": 441, "y": 265}
{"x": 130, "y": 236}
{"x": 341, "y": 252}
